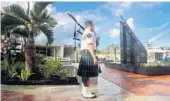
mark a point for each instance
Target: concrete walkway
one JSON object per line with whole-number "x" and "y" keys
{"x": 107, "y": 91}
{"x": 107, "y": 88}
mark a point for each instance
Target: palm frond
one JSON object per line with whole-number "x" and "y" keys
{"x": 18, "y": 11}
{"x": 33, "y": 16}
{"x": 28, "y": 9}
{"x": 22, "y": 31}
{"x": 38, "y": 9}
{"x": 51, "y": 21}
{"x": 45, "y": 14}
{"x": 5, "y": 32}
{"x": 9, "y": 20}
{"x": 48, "y": 31}
{"x": 40, "y": 6}
{"x": 47, "y": 18}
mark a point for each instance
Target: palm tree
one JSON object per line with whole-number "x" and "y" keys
{"x": 29, "y": 24}
{"x": 108, "y": 51}
{"x": 115, "y": 48}
{"x": 47, "y": 46}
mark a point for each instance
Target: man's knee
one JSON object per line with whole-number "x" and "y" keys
{"x": 85, "y": 81}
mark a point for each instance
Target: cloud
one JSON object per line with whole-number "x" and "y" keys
{"x": 130, "y": 22}
{"x": 161, "y": 27}
{"x": 63, "y": 30}
{"x": 149, "y": 5}
{"x": 159, "y": 35}
{"x": 123, "y": 6}
{"x": 160, "y": 12}
{"x": 115, "y": 32}
{"x": 118, "y": 9}
{"x": 50, "y": 8}
{"x": 117, "y": 24}
{"x": 155, "y": 29}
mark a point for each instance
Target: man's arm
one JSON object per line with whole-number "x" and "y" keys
{"x": 90, "y": 41}
{"x": 91, "y": 50}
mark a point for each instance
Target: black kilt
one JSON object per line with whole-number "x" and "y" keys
{"x": 87, "y": 67}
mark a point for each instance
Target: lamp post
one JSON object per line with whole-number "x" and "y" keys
{"x": 76, "y": 33}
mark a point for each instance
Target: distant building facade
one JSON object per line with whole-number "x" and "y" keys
{"x": 55, "y": 50}
{"x": 158, "y": 53}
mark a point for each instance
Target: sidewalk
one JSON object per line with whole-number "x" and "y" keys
{"x": 113, "y": 85}
{"x": 106, "y": 92}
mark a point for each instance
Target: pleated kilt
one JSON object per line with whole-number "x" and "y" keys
{"x": 87, "y": 67}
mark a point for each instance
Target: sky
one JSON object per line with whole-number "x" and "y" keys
{"x": 150, "y": 21}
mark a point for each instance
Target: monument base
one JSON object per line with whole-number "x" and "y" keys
{"x": 149, "y": 71}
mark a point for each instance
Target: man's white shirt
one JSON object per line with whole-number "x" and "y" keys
{"x": 88, "y": 37}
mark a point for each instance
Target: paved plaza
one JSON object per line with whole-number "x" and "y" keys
{"x": 113, "y": 85}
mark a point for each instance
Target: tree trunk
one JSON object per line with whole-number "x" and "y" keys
{"x": 30, "y": 53}
{"x": 115, "y": 55}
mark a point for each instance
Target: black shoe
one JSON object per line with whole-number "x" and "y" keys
{"x": 89, "y": 95}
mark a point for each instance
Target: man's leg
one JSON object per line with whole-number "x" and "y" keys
{"x": 85, "y": 81}
{"x": 85, "y": 85}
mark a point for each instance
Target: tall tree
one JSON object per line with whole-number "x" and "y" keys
{"x": 114, "y": 47}
{"x": 29, "y": 24}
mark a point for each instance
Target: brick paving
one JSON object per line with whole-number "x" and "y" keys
{"x": 138, "y": 84}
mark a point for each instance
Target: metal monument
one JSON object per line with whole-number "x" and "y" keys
{"x": 132, "y": 50}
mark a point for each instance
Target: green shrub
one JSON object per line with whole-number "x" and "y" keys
{"x": 150, "y": 65}
{"x": 39, "y": 60}
{"x": 45, "y": 70}
{"x": 48, "y": 67}
{"x": 165, "y": 63}
{"x": 18, "y": 66}
{"x": 156, "y": 64}
{"x": 53, "y": 67}
{"x": 62, "y": 72}
{"x": 4, "y": 65}
{"x": 24, "y": 75}
{"x": 10, "y": 71}
{"x": 66, "y": 71}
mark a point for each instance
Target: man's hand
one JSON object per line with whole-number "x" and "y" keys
{"x": 95, "y": 61}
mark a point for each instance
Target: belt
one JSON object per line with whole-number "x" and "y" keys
{"x": 86, "y": 51}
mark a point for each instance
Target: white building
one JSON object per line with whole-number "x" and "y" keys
{"x": 157, "y": 53}
{"x": 55, "y": 50}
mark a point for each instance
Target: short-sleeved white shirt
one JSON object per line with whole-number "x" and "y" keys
{"x": 88, "y": 37}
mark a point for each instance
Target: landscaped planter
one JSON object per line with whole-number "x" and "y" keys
{"x": 59, "y": 81}
{"x": 150, "y": 71}
{"x": 39, "y": 79}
